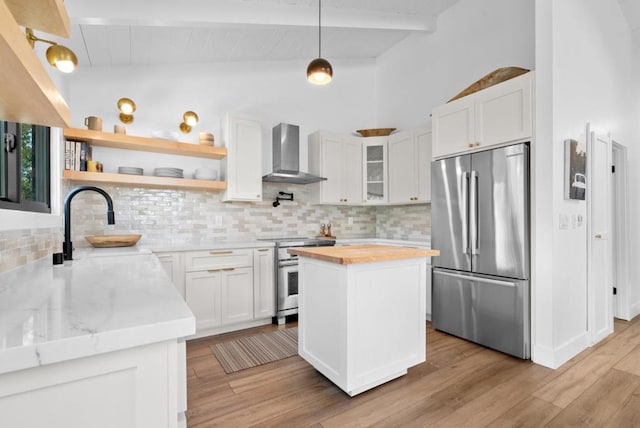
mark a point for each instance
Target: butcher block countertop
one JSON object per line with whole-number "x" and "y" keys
{"x": 352, "y": 254}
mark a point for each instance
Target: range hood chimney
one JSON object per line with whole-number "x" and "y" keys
{"x": 286, "y": 157}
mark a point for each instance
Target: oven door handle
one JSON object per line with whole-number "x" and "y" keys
{"x": 285, "y": 264}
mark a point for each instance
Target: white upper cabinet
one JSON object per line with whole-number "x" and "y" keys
{"x": 374, "y": 167}
{"x": 496, "y": 115}
{"x": 242, "y": 168}
{"x": 338, "y": 158}
{"x": 410, "y": 167}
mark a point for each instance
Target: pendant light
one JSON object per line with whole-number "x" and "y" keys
{"x": 319, "y": 71}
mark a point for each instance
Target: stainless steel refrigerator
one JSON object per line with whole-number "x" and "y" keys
{"x": 480, "y": 224}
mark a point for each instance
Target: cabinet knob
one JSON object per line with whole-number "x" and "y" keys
{"x": 470, "y": 144}
{"x": 477, "y": 143}
{"x": 257, "y": 196}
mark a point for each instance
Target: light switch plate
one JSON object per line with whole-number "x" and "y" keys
{"x": 564, "y": 222}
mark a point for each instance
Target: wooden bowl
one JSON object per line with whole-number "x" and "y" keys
{"x": 107, "y": 241}
{"x": 377, "y": 132}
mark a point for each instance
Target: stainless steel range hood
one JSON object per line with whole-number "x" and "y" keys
{"x": 286, "y": 157}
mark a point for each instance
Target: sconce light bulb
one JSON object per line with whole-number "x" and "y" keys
{"x": 126, "y": 106}
{"x": 190, "y": 118}
{"x": 65, "y": 66}
{"x": 61, "y": 58}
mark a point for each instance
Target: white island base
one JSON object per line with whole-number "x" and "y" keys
{"x": 362, "y": 324}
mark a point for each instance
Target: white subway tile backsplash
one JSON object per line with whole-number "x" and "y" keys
{"x": 164, "y": 216}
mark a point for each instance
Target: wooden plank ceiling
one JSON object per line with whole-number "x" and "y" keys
{"x": 139, "y": 32}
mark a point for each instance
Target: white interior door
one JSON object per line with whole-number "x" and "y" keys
{"x": 600, "y": 282}
{"x": 620, "y": 234}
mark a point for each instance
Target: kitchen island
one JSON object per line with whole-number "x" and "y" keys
{"x": 94, "y": 342}
{"x": 361, "y": 312}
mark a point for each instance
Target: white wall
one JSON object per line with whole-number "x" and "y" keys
{"x": 583, "y": 62}
{"x": 273, "y": 92}
{"x": 473, "y": 38}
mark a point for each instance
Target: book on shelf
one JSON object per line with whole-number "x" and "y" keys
{"x": 76, "y": 155}
{"x": 67, "y": 155}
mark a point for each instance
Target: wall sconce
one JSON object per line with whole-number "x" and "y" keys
{"x": 189, "y": 119}
{"x": 126, "y": 107}
{"x": 286, "y": 197}
{"x": 60, "y": 57}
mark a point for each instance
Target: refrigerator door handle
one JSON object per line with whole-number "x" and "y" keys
{"x": 475, "y": 278}
{"x": 473, "y": 208}
{"x": 465, "y": 212}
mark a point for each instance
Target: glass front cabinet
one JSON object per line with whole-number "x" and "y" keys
{"x": 375, "y": 170}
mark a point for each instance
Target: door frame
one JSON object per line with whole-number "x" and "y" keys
{"x": 592, "y": 304}
{"x": 620, "y": 218}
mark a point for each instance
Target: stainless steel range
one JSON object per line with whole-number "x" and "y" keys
{"x": 286, "y": 268}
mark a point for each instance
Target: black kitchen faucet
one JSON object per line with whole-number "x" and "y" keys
{"x": 67, "y": 246}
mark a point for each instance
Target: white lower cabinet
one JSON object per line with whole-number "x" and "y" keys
{"x": 203, "y": 297}
{"x": 136, "y": 387}
{"x": 172, "y": 263}
{"x": 230, "y": 289}
{"x": 236, "y": 297}
{"x": 264, "y": 296}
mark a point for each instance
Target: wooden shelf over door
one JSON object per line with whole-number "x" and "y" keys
{"x": 129, "y": 142}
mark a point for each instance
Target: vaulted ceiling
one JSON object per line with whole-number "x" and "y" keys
{"x": 631, "y": 10}
{"x": 134, "y": 32}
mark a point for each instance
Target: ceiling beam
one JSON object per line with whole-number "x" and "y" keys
{"x": 230, "y": 13}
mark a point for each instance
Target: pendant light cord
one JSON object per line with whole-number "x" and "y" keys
{"x": 319, "y": 28}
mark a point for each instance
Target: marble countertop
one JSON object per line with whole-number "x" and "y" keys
{"x": 209, "y": 245}
{"x": 104, "y": 300}
{"x": 366, "y": 253}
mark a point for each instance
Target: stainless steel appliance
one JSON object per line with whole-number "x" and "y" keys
{"x": 480, "y": 224}
{"x": 286, "y": 270}
{"x": 286, "y": 157}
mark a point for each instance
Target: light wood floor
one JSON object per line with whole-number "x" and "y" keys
{"x": 460, "y": 384}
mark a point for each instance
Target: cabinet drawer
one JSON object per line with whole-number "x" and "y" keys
{"x": 218, "y": 259}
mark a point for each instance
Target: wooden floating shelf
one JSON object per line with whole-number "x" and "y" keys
{"x": 144, "y": 180}
{"x": 129, "y": 142}
{"x": 49, "y": 16}
{"x": 27, "y": 93}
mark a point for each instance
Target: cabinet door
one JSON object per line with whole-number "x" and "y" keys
{"x": 453, "y": 127}
{"x": 332, "y": 164}
{"x": 243, "y": 165}
{"x": 374, "y": 177}
{"x": 202, "y": 293}
{"x": 402, "y": 168}
{"x": 422, "y": 141}
{"x": 173, "y": 265}
{"x": 503, "y": 112}
{"x": 351, "y": 163}
{"x": 236, "y": 295}
{"x": 263, "y": 283}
